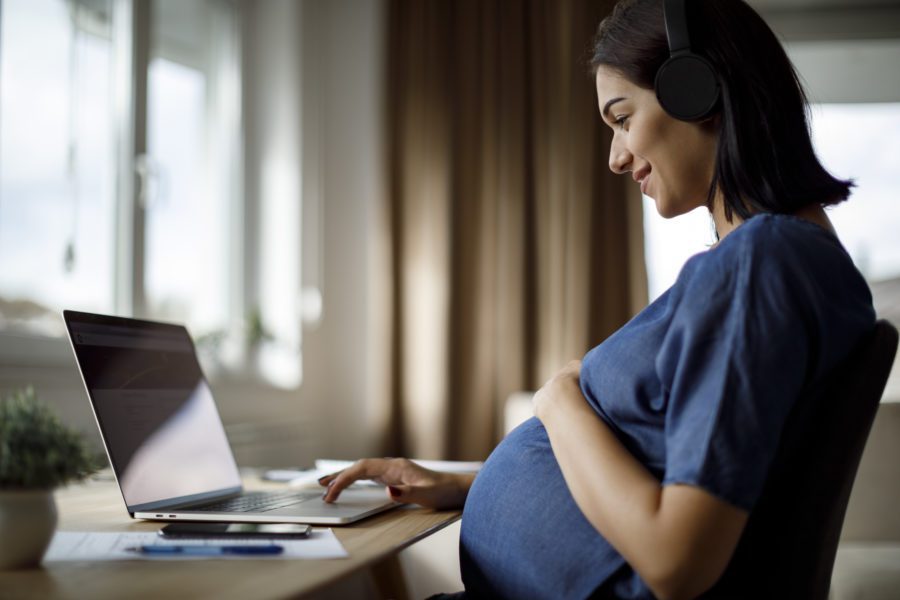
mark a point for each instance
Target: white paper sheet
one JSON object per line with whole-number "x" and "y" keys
{"x": 91, "y": 546}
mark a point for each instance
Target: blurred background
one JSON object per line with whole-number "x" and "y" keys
{"x": 380, "y": 219}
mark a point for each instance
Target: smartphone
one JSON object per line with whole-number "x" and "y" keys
{"x": 235, "y": 530}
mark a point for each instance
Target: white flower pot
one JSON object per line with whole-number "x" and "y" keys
{"x": 27, "y": 523}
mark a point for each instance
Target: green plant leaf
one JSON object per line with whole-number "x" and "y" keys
{"x": 38, "y": 451}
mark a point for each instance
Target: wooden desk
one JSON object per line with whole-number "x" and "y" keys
{"x": 372, "y": 543}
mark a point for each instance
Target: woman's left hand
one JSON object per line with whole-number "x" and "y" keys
{"x": 562, "y": 388}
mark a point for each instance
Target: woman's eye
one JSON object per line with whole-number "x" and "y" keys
{"x": 620, "y": 122}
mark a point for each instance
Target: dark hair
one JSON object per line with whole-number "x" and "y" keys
{"x": 765, "y": 160}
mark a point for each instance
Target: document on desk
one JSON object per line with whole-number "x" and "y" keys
{"x": 91, "y": 546}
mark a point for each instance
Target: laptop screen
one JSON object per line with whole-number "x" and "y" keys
{"x": 155, "y": 410}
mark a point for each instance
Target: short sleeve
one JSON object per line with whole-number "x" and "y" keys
{"x": 731, "y": 365}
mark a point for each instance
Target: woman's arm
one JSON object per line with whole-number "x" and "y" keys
{"x": 679, "y": 538}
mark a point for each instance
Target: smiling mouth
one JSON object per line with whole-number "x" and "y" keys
{"x": 642, "y": 177}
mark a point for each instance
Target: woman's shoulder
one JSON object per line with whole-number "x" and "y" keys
{"x": 771, "y": 234}
{"x": 778, "y": 251}
{"x": 776, "y": 274}
{"x": 784, "y": 229}
{"x": 776, "y": 243}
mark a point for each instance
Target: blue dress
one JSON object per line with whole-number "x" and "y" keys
{"x": 697, "y": 387}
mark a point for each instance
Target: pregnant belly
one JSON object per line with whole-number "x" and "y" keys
{"x": 523, "y": 536}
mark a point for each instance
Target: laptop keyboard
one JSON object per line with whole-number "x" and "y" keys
{"x": 259, "y": 501}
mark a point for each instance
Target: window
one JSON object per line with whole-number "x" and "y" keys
{"x": 668, "y": 243}
{"x": 74, "y": 128}
{"x": 862, "y": 142}
{"x": 191, "y": 154}
{"x": 57, "y": 202}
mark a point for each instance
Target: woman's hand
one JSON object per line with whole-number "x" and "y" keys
{"x": 559, "y": 390}
{"x": 405, "y": 480}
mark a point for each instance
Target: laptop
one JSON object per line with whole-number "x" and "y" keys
{"x": 165, "y": 439}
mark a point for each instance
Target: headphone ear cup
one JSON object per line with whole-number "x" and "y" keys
{"x": 687, "y": 87}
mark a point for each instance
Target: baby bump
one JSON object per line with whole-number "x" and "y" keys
{"x": 522, "y": 534}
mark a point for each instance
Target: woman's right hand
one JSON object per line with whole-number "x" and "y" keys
{"x": 405, "y": 480}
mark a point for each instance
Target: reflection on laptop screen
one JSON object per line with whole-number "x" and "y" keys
{"x": 155, "y": 410}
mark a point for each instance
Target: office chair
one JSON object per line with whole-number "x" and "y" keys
{"x": 788, "y": 547}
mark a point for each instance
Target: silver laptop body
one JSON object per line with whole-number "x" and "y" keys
{"x": 164, "y": 437}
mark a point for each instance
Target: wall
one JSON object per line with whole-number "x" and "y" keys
{"x": 849, "y": 70}
{"x": 845, "y": 50}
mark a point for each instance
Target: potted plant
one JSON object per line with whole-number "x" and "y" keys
{"x": 37, "y": 454}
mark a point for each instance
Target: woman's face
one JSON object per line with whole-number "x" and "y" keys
{"x": 672, "y": 160}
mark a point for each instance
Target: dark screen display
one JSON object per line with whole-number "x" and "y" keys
{"x": 154, "y": 407}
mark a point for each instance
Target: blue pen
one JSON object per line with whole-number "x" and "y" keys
{"x": 200, "y": 550}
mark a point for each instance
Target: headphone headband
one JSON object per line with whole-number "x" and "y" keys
{"x": 677, "y": 26}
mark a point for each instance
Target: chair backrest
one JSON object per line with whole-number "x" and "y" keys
{"x": 788, "y": 547}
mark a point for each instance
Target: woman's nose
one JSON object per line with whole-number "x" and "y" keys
{"x": 619, "y": 158}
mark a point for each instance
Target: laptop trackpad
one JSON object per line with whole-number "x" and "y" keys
{"x": 349, "y": 502}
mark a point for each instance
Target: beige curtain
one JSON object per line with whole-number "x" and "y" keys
{"x": 513, "y": 248}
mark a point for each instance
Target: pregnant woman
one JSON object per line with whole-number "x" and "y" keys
{"x": 636, "y": 476}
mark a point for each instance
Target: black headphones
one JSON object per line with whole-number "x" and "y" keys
{"x": 687, "y": 86}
